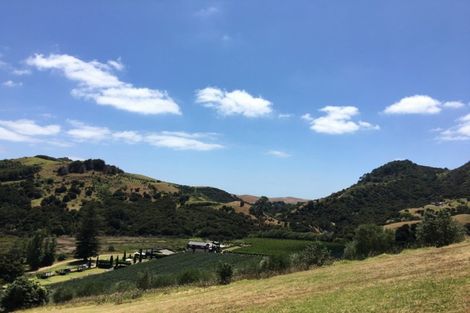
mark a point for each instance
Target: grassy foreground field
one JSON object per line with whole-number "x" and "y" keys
{"x": 424, "y": 280}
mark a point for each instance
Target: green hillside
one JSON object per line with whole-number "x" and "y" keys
{"x": 45, "y": 192}
{"x": 379, "y": 196}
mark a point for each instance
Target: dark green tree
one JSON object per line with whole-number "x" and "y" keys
{"x": 369, "y": 240}
{"x": 11, "y": 265}
{"x": 50, "y": 245}
{"x": 23, "y": 293}
{"x": 34, "y": 250}
{"x": 438, "y": 229}
{"x": 87, "y": 243}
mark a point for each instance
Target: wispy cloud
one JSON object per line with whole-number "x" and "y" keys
{"x": 278, "y": 154}
{"x": 82, "y": 132}
{"x": 207, "y": 12}
{"x": 12, "y": 84}
{"x": 236, "y": 102}
{"x": 461, "y": 131}
{"x": 338, "y": 120}
{"x": 421, "y": 104}
{"x": 97, "y": 82}
{"x": 25, "y": 130}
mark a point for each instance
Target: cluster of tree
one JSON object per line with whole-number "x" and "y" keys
{"x": 97, "y": 165}
{"x": 13, "y": 170}
{"x": 40, "y": 250}
{"x": 212, "y": 194}
{"x": 436, "y": 229}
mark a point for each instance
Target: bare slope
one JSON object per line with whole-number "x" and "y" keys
{"x": 425, "y": 280}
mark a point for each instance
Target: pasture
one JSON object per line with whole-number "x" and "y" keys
{"x": 268, "y": 246}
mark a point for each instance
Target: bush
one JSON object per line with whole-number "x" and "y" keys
{"x": 225, "y": 273}
{"x": 275, "y": 263}
{"x": 438, "y": 229}
{"x": 62, "y": 295}
{"x": 61, "y": 257}
{"x": 315, "y": 254}
{"x": 23, "y": 293}
{"x": 144, "y": 281}
{"x": 188, "y": 277}
{"x": 369, "y": 240}
{"x": 10, "y": 265}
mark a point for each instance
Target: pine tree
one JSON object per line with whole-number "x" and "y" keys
{"x": 49, "y": 251}
{"x": 34, "y": 250}
{"x": 87, "y": 243}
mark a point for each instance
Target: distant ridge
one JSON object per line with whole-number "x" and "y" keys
{"x": 252, "y": 199}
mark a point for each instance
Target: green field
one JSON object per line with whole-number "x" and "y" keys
{"x": 267, "y": 246}
{"x": 171, "y": 267}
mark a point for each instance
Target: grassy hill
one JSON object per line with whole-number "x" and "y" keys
{"x": 380, "y": 195}
{"x": 423, "y": 280}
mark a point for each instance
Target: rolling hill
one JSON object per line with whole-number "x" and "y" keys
{"x": 43, "y": 191}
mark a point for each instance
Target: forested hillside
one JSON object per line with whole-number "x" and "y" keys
{"x": 46, "y": 192}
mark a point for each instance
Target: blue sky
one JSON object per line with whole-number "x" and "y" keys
{"x": 272, "y": 98}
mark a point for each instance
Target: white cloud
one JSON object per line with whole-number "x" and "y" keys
{"x": 12, "y": 84}
{"x": 418, "y": 104}
{"x": 278, "y": 153}
{"x": 9, "y": 135}
{"x": 128, "y": 136}
{"x": 459, "y": 132}
{"x": 453, "y": 104}
{"x": 30, "y": 128}
{"x": 83, "y": 132}
{"x": 21, "y": 72}
{"x": 421, "y": 104}
{"x": 234, "y": 102}
{"x": 180, "y": 141}
{"x": 167, "y": 139}
{"x": 337, "y": 121}
{"x": 284, "y": 115}
{"x": 97, "y": 82}
{"x": 207, "y": 12}
{"x": 25, "y": 131}
{"x": 116, "y": 64}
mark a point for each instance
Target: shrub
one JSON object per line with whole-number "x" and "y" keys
{"x": 10, "y": 265}
{"x": 225, "y": 273}
{"x": 438, "y": 229}
{"x": 275, "y": 263}
{"x": 23, "y": 293}
{"x": 62, "y": 295}
{"x": 315, "y": 254}
{"x": 189, "y": 276}
{"x": 61, "y": 257}
{"x": 369, "y": 240}
{"x": 144, "y": 281}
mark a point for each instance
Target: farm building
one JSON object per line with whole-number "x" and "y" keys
{"x": 201, "y": 246}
